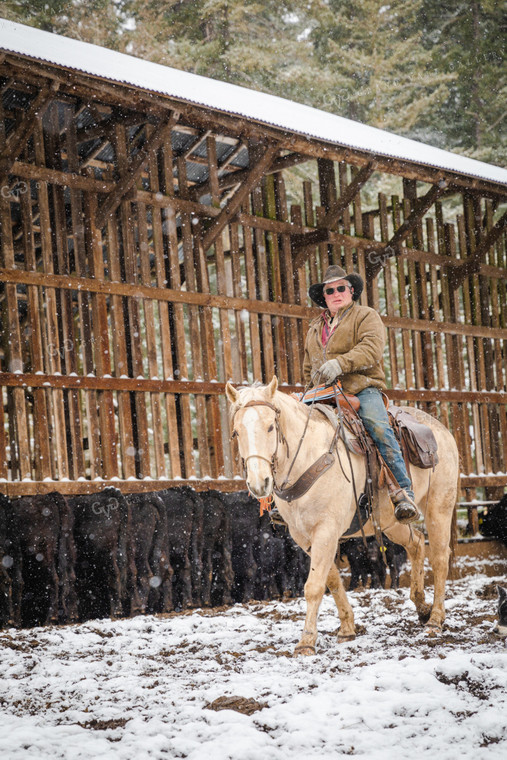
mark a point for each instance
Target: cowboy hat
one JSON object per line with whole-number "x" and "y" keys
{"x": 332, "y": 273}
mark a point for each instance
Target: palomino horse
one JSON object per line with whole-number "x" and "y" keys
{"x": 262, "y": 418}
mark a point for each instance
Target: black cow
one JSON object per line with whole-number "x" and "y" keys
{"x": 244, "y": 518}
{"x": 494, "y": 520}
{"x": 266, "y": 562}
{"x": 6, "y": 563}
{"x": 212, "y": 550}
{"x": 368, "y": 562}
{"x": 104, "y": 564}
{"x": 270, "y": 556}
{"x": 180, "y": 506}
{"x": 43, "y": 560}
{"x": 396, "y": 556}
{"x": 149, "y": 543}
{"x": 297, "y": 565}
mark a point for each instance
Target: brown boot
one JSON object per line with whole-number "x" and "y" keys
{"x": 405, "y": 509}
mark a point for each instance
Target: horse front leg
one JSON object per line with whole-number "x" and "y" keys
{"x": 413, "y": 541}
{"x": 334, "y": 583}
{"x": 322, "y": 555}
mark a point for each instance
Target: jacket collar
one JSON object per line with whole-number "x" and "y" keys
{"x": 340, "y": 313}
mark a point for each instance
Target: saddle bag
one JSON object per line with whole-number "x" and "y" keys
{"x": 416, "y": 439}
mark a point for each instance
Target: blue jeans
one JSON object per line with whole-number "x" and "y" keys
{"x": 374, "y": 416}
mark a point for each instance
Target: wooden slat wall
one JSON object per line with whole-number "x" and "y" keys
{"x": 153, "y": 356}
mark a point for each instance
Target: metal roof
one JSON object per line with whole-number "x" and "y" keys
{"x": 231, "y": 99}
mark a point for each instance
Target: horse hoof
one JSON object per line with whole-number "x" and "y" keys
{"x": 424, "y": 615}
{"x": 341, "y": 638}
{"x": 432, "y": 629}
{"x": 304, "y": 651}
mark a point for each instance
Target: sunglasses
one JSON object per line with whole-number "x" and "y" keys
{"x": 339, "y": 289}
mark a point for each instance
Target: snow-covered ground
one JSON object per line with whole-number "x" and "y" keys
{"x": 142, "y": 688}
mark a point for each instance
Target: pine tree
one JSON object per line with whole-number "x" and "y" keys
{"x": 256, "y": 44}
{"x": 96, "y": 21}
{"x": 468, "y": 41}
{"x": 388, "y": 80}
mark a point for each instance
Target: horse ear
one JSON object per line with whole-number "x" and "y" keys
{"x": 231, "y": 393}
{"x": 273, "y": 386}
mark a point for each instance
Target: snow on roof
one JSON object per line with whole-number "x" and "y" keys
{"x": 232, "y": 99}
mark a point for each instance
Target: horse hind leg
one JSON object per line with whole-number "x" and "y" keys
{"x": 439, "y": 542}
{"x": 413, "y": 541}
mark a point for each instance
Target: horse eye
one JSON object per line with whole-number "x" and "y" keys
{"x": 270, "y": 428}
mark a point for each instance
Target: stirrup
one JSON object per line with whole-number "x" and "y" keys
{"x": 405, "y": 509}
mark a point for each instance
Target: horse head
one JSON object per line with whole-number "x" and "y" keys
{"x": 255, "y": 422}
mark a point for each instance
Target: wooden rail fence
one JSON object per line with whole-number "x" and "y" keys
{"x": 133, "y": 288}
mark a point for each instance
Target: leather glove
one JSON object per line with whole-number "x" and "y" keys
{"x": 329, "y": 371}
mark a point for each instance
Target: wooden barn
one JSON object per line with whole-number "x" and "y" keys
{"x": 159, "y": 231}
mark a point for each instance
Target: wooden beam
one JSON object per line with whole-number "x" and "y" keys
{"x": 349, "y": 194}
{"x": 200, "y": 139}
{"x": 105, "y": 126}
{"x": 376, "y": 262}
{"x": 134, "y": 169}
{"x": 178, "y": 296}
{"x": 56, "y": 177}
{"x": 17, "y": 140}
{"x": 71, "y": 487}
{"x": 235, "y": 202}
{"x": 14, "y": 489}
{"x": 81, "y": 85}
{"x": 208, "y": 388}
{"x": 79, "y": 182}
{"x": 236, "y": 176}
{"x": 459, "y": 272}
{"x": 322, "y": 234}
{"x": 481, "y": 481}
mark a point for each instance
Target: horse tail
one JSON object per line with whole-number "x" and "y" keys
{"x": 453, "y": 538}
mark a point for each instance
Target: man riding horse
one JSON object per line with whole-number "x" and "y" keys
{"x": 346, "y": 342}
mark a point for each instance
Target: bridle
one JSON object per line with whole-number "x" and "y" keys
{"x": 305, "y": 481}
{"x": 311, "y": 474}
{"x": 280, "y": 438}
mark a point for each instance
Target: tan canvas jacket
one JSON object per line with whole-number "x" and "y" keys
{"x": 358, "y": 344}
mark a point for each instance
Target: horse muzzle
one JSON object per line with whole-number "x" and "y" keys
{"x": 259, "y": 477}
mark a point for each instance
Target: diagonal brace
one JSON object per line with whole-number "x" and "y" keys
{"x": 459, "y": 272}
{"x": 130, "y": 177}
{"x": 235, "y": 201}
{"x": 422, "y": 206}
{"x": 322, "y": 233}
{"x": 17, "y": 140}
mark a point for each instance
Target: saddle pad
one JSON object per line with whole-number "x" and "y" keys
{"x": 319, "y": 393}
{"x": 326, "y": 394}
